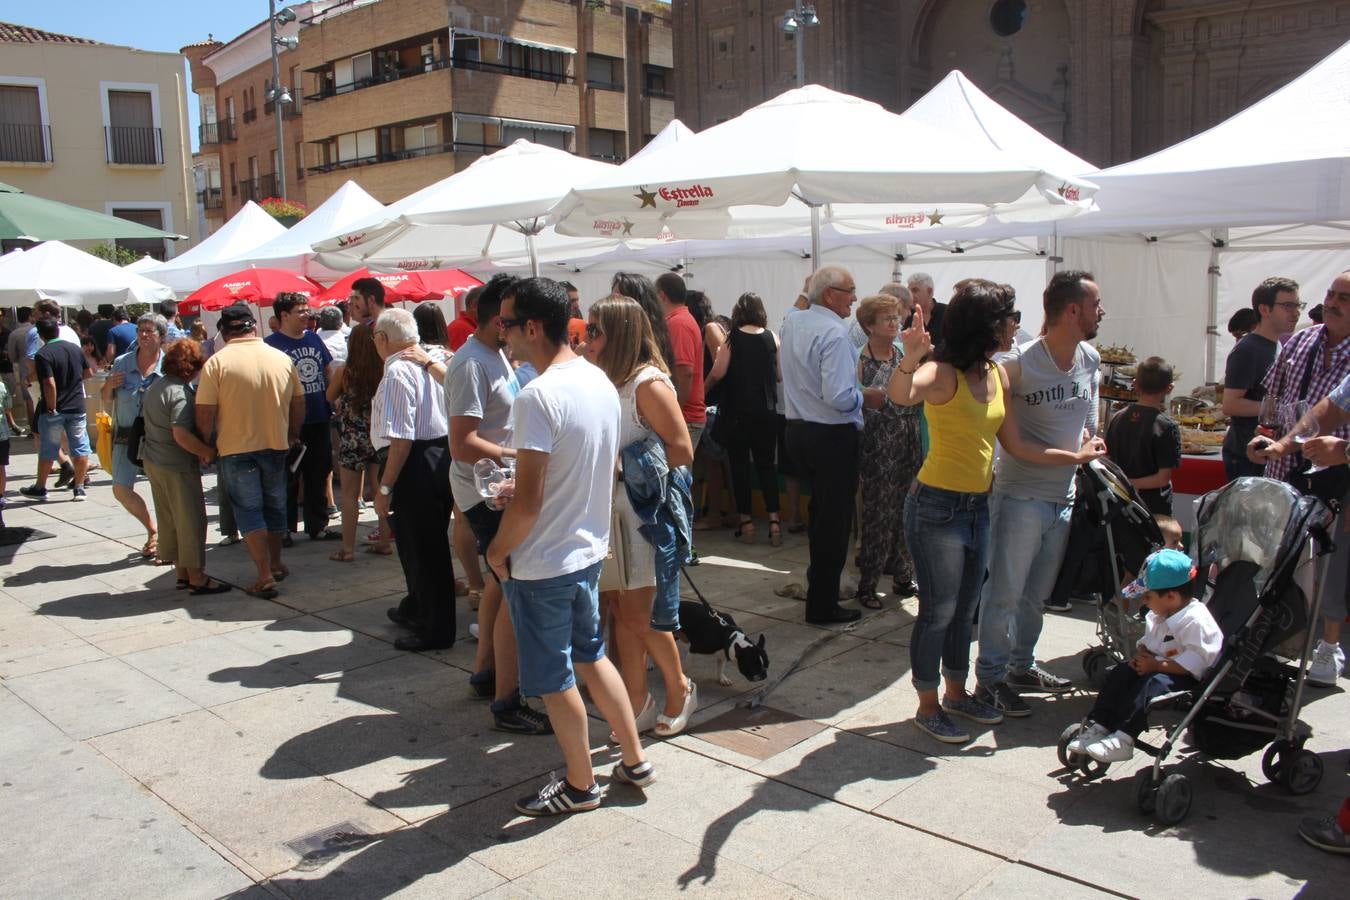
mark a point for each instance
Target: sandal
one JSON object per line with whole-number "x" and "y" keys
{"x": 380, "y": 550}
{"x": 667, "y": 726}
{"x": 210, "y": 586}
{"x": 869, "y": 600}
{"x": 327, "y": 534}
{"x": 265, "y": 591}
{"x": 775, "y": 533}
{"x": 229, "y": 540}
{"x": 150, "y": 549}
{"x": 182, "y": 584}
{"x": 343, "y": 556}
{"x": 280, "y": 574}
{"x": 745, "y": 533}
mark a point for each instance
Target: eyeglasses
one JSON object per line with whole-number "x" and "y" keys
{"x": 1290, "y": 304}
{"x": 852, "y": 292}
{"x": 593, "y": 332}
{"x": 889, "y": 320}
{"x": 506, "y": 324}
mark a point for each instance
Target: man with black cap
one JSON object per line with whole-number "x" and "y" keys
{"x": 251, "y": 400}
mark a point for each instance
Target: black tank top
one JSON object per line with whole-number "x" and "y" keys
{"x": 752, "y": 375}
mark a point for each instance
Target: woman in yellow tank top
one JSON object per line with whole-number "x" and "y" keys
{"x": 947, "y": 510}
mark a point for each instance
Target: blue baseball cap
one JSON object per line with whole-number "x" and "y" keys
{"x": 1163, "y": 570}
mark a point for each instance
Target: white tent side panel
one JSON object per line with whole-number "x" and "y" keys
{"x": 1155, "y": 296}
{"x": 1242, "y": 271}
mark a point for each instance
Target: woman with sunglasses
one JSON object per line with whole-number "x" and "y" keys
{"x": 620, "y": 341}
{"x": 947, "y": 511}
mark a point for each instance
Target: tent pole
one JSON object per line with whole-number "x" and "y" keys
{"x": 1218, "y": 240}
{"x": 815, "y": 236}
{"x": 534, "y": 255}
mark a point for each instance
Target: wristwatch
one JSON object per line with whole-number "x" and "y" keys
{"x": 385, "y": 490}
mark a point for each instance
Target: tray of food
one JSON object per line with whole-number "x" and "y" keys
{"x": 1195, "y": 442}
{"x": 1117, "y": 356}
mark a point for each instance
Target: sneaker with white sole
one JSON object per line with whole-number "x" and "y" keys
{"x": 1327, "y": 662}
{"x": 559, "y": 798}
{"x": 940, "y": 725}
{"x": 1004, "y": 699}
{"x": 1037, "y": 680}
{"x": 1089, "y": 735}
{"x": 78, "y": 495}
{"x": 1058, "y": 605}
{"x": 1325, "y": 834}
{"x": 970, "y": 708}
{"x": 640, "y": 775}
{"x": 1115, "y": 747}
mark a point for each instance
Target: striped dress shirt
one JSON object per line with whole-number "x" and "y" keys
{"x": 408, "y": 405}
{"x": 1286, "y": 377}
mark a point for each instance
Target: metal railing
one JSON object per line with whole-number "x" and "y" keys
{"x": 258, "y": 189}
{"x": 250, "y": 114}
{"x": 398, "y": 155}
{"x": 603, "y": 85}
{"x": 518, "y": 71}
{"x": 133, "y": 145}
{"x": 657, "y": 92}
{"x": 211, "y": 198}
{"x": 216, "y": 132}
{"x": 25, "y": 143}
{"x": 382, "y": 77}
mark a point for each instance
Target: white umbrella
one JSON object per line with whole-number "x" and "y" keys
{"x": 57, "y": 271}
{"x": 492, "y": 208}
{"x": 866, "y": 167}
{"x": 209, "y": 260}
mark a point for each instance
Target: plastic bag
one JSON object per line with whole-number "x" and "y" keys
{"x": 104, "y": 445}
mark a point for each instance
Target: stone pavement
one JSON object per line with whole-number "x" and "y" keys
{"x": 155, "y": 744}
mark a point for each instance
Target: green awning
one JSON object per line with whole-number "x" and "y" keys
{"x": 29, "y": 217}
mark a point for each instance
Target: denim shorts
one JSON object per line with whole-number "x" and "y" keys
{"x": 51, "y": 426}
{"x": 557, "y": 622}
{"x": 124, "y": 471}
{"x": 256, "y": 483}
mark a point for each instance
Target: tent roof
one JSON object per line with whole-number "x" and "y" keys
{"x": 248, "y": 228}
{"x": 57, "y": 271}
{"x": 1284, "y": 159}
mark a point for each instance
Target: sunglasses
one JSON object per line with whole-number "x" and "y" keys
{"x": 593, "y": 332}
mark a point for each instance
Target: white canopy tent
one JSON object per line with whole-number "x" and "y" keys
{"x": 493, "y": 209}
{"x": 56, "y": 271}
{"x": 209, "y": 260}
{"x": 140, "y": 265}
{"x": 292, "y": 249}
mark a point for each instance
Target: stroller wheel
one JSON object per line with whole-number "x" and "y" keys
{"x": 1145, "y": 791}
{"x": 1066, "y": 759}
{"x": 1273, "y": 761}
{"x": 1096, "y": 663}
{"x": 1173, "y": 800}
{"x": 1091, "y": 768}
{"x": 1301, "y": 771}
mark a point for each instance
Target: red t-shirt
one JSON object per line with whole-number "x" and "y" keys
{"x": 686, "y": 340}
{"x": 576, "y": 332}
{"x": 465, "y": 324}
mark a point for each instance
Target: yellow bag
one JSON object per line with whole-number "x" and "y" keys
{"x": 103, "y": 423}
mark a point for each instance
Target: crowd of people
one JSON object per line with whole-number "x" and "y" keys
{"x": 625, "y": 431}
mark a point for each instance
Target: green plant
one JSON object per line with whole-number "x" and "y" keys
{"x": 279, "y": 208}
{"x": 118, "y": 256}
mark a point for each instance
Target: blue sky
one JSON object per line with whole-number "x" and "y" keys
{"x": 144, "y": 24}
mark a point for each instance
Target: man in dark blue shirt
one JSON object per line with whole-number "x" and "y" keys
{"x": 312, "y": 360}
{"x": 121, "y": 336}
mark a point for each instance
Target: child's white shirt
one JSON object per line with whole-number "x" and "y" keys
{"x": 1189, "y": 637}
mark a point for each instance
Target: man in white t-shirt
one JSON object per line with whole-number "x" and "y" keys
{"x": 553, "y": 538}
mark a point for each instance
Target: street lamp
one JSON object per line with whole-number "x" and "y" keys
{"x": 279, "y": 94}
{"x": 801, "y": 16}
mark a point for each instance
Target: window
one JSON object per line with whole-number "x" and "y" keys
{"x": 421, "y": 137}
{"x": 470, "y": 135}
{"x": 154, "y": 218}
{"x": 234, "y": 182}
{"x": 357, "y": 145}
{"x": 605, "y": 144}
{"x": 466, "y": 50}
{"x": 299, "y": 160}
{"x": 533, "y": 62}
{"x": 349, "y": 74}
{"x": 549, "y": 137}
{"x": 250, "y": 105}
{"x": 657, "y": 81}
{"x": 132, "y": 137}
{"x": 604, "y": 72}
{"x": 23, "y": 137}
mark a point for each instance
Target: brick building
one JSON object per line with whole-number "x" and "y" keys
{"x": 1109, "y": 79}
{"x": 398, "y": 94}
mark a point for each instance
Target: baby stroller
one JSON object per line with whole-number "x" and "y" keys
{"x": 1256, "y": 540}
{"x": 1118, "y": 533}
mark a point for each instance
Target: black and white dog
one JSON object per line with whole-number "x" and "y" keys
{"x": 709, "y": 631}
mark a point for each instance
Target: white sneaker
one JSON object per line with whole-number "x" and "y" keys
{"x": 473, "y": 631}
{"x": 1089, "y": 735}
{"x": 1327, "y": 662}
{"x": 1115, "y": 747}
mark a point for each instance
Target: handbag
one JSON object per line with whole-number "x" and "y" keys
{"x": 134, "y": 435}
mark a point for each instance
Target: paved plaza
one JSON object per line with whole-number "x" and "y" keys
{"x": 159, "y": 745}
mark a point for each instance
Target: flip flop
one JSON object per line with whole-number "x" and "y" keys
{"x": 343, "y": 556}
{"x": 380, "y": 551}
{"x": 210, "y": 587}
{"x": 280, "y": 574}
{"x": 266, "y": 591}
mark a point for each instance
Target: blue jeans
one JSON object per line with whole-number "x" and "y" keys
{"x": 666, "y": 603}
{"x": 557, "y": 621}
{"x": 257, "y": 488}
{"x": 51, "y": 426}
{"x": 1029, "y": 538}
{"x": 948, "y": 535}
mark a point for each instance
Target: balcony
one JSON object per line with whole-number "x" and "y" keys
{"x": 133, "y": 145}
{"x": 25, "y": 143}
{"x": 383, "y": 77}
{"x": 660, "y": 93}
{"x": 291, "y": 110}
{"x": 258, "y": 189}
{"x": 518, "y": 71}
{"x": 215, "y": 132}
{"x": 250, "y": 115}
{"x": 211, "y": 198}
{"x": 397, "y": 155}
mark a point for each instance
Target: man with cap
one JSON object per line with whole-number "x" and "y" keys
{"x": 250, "y": 398}
{"x": 1181, "y": 643}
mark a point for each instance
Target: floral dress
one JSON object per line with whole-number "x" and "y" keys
{"x": 354, "y": 450}
{"x": 890, "y": 458}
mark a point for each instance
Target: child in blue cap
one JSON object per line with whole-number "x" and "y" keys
{"x": 1180, "y": 645}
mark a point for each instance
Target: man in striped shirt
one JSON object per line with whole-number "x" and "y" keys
{"x": 407, "y": 419}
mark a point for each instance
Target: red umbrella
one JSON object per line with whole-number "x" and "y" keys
{"x": 257, "y": 286}
{"x": 432, "y": 284}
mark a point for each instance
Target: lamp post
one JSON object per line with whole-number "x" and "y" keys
{"x": 279, "y": 94}
{"x": 801, "y": 16}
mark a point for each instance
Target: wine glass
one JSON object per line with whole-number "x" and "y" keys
{"x": 1268, "y": 417}
{"x": 1305, "y": 428}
